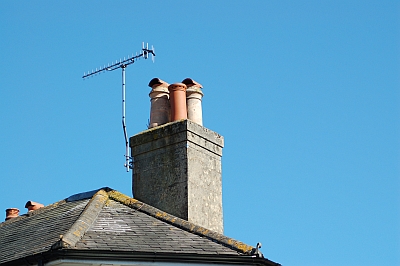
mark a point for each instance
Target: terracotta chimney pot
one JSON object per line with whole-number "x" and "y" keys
{"x": 177, "y": 94}
{"x": 159, "y": 98}
{"x": 31, "y": 205}
{"x": 194, "y": 96}
{"x": 12, "y": 213}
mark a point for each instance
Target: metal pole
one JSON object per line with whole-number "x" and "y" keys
{"x": 123, "y": 120}
{"x": 123, "y": 96}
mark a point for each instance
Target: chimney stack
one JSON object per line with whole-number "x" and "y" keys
{"x": 12, "y": 213}
{"x": 159, "y": 97}
{"x": 177, "y": 169}
{"x": 177, "y": 166}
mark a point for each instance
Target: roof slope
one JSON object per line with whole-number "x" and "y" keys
{"x": 105, "y": 223}
{"x": 137, "y": 231}
{"x": 37, "y": 231}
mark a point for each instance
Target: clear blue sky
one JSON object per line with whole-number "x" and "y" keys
{"x": 306, "y": 94}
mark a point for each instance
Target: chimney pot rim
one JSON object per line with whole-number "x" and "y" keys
{"x": 156, "y": 82}
{"x": 12, "y": 209}
{"x": 177, "y": 86}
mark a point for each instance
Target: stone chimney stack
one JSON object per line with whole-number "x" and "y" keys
{"x": 177, "y": 169}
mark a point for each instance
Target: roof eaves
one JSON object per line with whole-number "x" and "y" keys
{"x": 183, "y": 224}
{"x": 104, "y": 256}
{"x": 85, "y": 220}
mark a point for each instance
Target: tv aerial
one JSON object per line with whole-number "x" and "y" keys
{"x": 122, "y": 64}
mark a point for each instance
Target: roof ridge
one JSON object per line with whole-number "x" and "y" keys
{"x": 84, "y": 221}
{"x": 181, "y": 223}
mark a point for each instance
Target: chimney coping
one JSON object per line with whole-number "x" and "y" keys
{"x": 174, "y": 128}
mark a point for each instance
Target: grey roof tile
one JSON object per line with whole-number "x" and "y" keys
{"x": 136, "y": 231}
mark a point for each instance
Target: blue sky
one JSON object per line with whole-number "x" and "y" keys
{"x": 306, "y": 94}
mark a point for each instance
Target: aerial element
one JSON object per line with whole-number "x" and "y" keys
{"x": 123, "y": 64}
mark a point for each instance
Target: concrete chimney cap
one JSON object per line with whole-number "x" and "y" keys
{"x": 155, "y": 82}
{"x": 190, "y": 82}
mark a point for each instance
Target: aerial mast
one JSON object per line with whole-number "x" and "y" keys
{"x": 122, "y": 64}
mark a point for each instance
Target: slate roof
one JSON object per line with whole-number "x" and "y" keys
{"x": 107, "y": 224}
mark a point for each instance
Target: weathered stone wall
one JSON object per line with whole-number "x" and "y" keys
{"x": 177, "y": 168}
